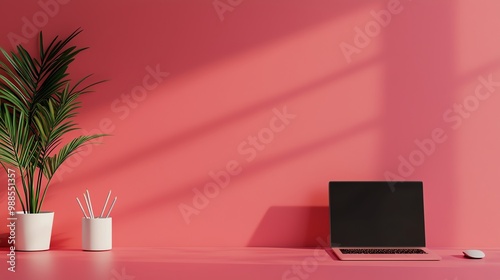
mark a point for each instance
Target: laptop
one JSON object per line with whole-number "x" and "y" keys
{"x": 378, "y": 220}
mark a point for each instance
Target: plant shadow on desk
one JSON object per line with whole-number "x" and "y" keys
{"x": 57, "y": 241}
{"x": 4, "y": 244}
{"x": 293, "y": 227}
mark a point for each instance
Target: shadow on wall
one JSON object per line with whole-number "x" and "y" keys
{"x": 61, "y": 240}
{"x": 419, "y": 80}
{"x": 292, "y": 226}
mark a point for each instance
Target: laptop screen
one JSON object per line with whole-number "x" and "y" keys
{"x": 376, "y": 214}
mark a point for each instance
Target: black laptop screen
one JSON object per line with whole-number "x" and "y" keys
{"x": 376, "y": 214}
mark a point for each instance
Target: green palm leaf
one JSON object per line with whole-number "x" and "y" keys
{"x": 17, "y": 144}
{"x": 37, "y": 109}
{"x": 54, "y": 162}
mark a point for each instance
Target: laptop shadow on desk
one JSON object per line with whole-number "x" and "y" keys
{"x": 293, "y": 227}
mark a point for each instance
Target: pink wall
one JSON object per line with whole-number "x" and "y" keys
{"x": 274, "y": 99}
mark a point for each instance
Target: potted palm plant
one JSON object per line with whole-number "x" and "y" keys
{"x": 38, "y": 103}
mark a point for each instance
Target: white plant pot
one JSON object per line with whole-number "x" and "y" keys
{"x": 33, "y": 231}
{"x": 97, "y": 234}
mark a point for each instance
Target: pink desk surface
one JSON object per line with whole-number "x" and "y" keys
{"x": 238, "y": 263}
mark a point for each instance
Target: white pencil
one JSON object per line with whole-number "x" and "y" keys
{"x": 89, "y": 204}
{"x": 86, "y": 203}
{"x": 111, "y": 208}
{"x": 81, "y": 207}
{"x": 105, "y": 204}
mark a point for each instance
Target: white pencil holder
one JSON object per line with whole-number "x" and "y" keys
{"x": 97, "y": 234}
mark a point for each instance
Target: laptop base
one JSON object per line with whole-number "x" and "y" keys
{"x": 428, "y": 256}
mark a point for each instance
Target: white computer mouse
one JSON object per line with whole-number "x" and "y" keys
{"x": 474, "y": 254}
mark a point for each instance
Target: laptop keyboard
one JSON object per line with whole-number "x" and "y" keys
{"x": 383, "y": 251}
